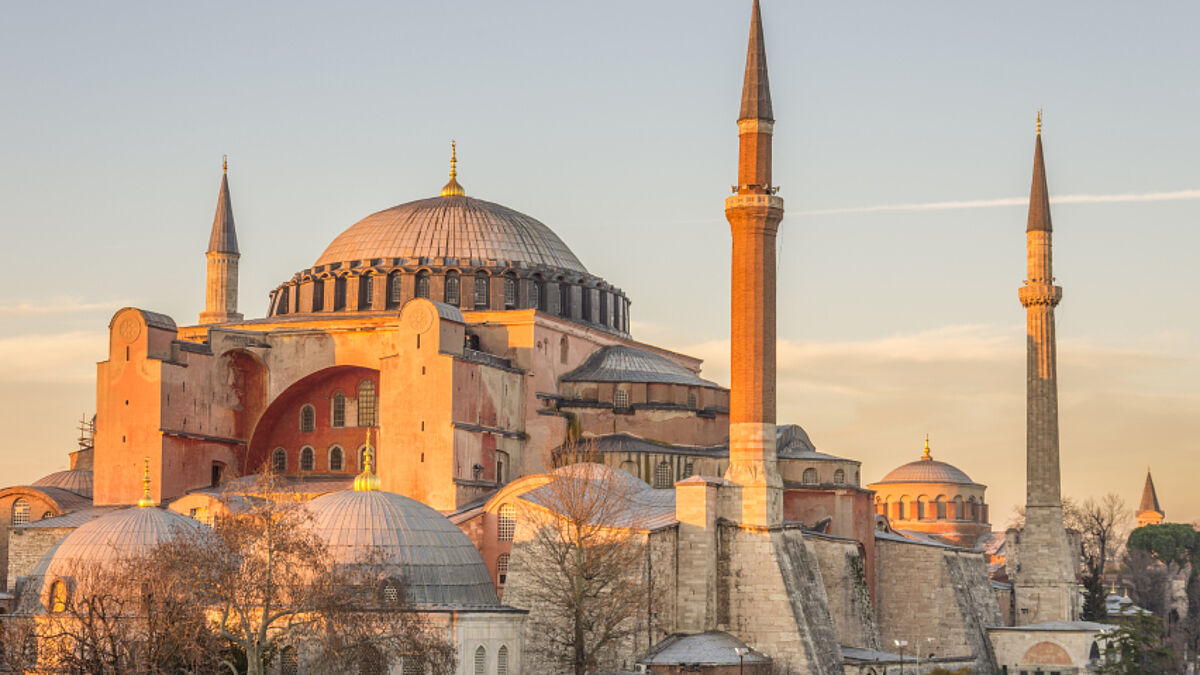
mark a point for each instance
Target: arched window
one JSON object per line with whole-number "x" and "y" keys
{"x": 900, "y": 509}
{"x": 662, "y": 475}
{"x": 506, "y": 524}
{"x": 535, "y": 294}
{"x": 390, "y": 591}
{"x": 308, "y": 418}
{"x": 58, "y": 597}
{"x": 366, "y": 291}
{"x": 839, "y": 477}
{"x": 421, "y": 289}
{"x": 366, "y": 403}
{"x": 318, "y": 300}
{"x": 510, "y": 292}
{"x": 502, "y": 660}
{"x": 279, "y": 460}
{"x": 564, "y": 298}
{"x": 335, "y": 458}
{"x": 339, "y": 410}
{"x": 20, "y": 511}
{"x": 970, "y": 515}
{"x": 339, "y": 294}
{"x": 480, "y": 661}
{"x": 586, "y": 297}
{"x": 502, "y": 569}
{"x": 620, "y": 399}
{"x": 395, "y": 282}
{"x": 289, "y": 663}
{"x": 958, "y": 508}
{"x": 809, "y": 477}
{"x": 501, "y": 467}
{"x": 920, "y": 505}
{"x": 941, "y": 508}
{"x": 482, "y": 295}
{"x": 453, "y": 293}
{"x": 282, "y": 307}
{"x": 307, "y": 459}
{"x": 564, "y": 349}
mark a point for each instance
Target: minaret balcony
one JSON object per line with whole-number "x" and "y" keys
{"x": 1039, "y": 294}
{"x": 752, "y": 201}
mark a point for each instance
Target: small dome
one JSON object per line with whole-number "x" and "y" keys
{"x": 78, "y": 481}
{"x": 435, "y": 559}
{"x": 453, "y": 226}
{"x": 618, "y": 363}
{"x": 927, "y": 471}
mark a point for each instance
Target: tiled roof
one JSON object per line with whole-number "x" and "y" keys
{"x": 619, "y": 363}
{"x": 452, "y": 227}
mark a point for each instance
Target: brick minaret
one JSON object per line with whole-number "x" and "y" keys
{"x": 754, "y": 214}
{"x": 1045, "y": 585}
{"x": 220, "y": 303}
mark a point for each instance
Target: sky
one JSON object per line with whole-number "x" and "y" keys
{"x": 903, "y": 147}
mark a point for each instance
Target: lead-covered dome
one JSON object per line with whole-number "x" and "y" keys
{"x": 454, "y": 226}
{"x": 437, "y": 562}
{"x": 78, "y": 481}
{"x": 927, "y": 471}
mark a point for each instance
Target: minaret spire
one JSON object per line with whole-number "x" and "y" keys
{"x": 754, "y": 214}
{"x": 220, "y": 305}
{"x": 1149, "y": 512}
{"x": 1045, "y": 585}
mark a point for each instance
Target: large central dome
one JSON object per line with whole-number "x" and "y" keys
{"x": 452, "y": 227}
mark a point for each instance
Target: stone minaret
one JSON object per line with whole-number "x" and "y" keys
{"x": 1149, "y": 512}
{"x": 221, "y": 292}
{"x": 1045, "y": 584}
{"x": 754, "y": 214}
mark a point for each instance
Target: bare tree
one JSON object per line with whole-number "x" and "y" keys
{"x": 582, "y": 559}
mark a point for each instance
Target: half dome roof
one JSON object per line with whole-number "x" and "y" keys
{"x": 78, "y": 481}
{"x": 452, "y": 226}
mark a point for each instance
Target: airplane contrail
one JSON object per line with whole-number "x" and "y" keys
{"x": 1177, "y": 195}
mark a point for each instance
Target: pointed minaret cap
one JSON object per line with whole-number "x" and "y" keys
{"x": 453, "y": 189}
{"x": 1149, "y": 501}
{"x": 1039, "y": 195}
{"x": 224, "y": 236}
{"x": 146, "y": 499}
{"x": 367, "y": 480}
{"x": 756, "y": 89}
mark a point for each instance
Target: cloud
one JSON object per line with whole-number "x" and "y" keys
{"x": 52, "y": 357}
{"x": 59, "y": 305}
{"x": 1177, "y": 195}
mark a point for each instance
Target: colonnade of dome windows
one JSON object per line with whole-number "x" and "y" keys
{"x": 939, "y": 508}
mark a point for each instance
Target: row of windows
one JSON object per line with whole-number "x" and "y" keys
{"x": 368, "y": 409}
{"x": 501, "y": 660}
{"x": 935, "y": 510}
{"x": 279, "y": 459}
{"x": 22, "y": 512}
{"x": 810, "y": 477}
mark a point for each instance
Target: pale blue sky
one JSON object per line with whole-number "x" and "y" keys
{"x": 614, "y": 124}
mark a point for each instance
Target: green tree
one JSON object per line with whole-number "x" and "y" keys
{"x": 1137, "y": 647}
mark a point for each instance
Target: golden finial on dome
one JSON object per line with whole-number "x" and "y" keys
{"x": 146, "y": 499}
{"x": 224, "y": 163}
{"x": 1039, "y": 122}
{"x": 927, "y": 455}
{"x": 453, "y": 189}
{"x": 367, "y": 480}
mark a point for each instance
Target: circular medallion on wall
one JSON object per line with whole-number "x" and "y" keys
{"x": 420, "y": 317}
{"x": 129, "y": 328}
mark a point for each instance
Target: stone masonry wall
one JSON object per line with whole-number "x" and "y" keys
{"x": 843, "y": 571}
{"x": 27, "y": 547}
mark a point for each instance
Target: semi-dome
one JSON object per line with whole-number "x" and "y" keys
{"x": 452, "y": 226}
{"x": 620, "y": 363}
{"x": 437, "y": 562}
{"x": 78, "y": 481}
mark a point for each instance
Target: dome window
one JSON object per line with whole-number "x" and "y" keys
{"x": 691, "y": 399}
{"x": 339, "y": 294}
{"x": 318, "y": 295}
{"x": 603, "y": 308}
{"x": 308, "y": 419}
{"x": 535, "y": 294}
{"x": 20, "y": 511}
{"x": 422, "y": 285}
{"x": 482, "y": 296}
{"x": 366, "y": 403}
{"x": 620, "y": 399}
{"x": 335, "y": 459}
{"x": 506, "y": 525}
{"x": 395, "y": 280}
{"x": 564, "y": 299}
{"x": 510, "y": 292}
{"x": 366, "y": 291}
{"x": 809, "y": 477}
{"x": 307, "y": 459}
{"x": 279, "y": 460}
{"x": 839, "y": 477}
{"x": 453, "y": 294}
{"x": 390, "y": 591}
{"x": 587, "y": 303}
{"x": 662, "y": 475}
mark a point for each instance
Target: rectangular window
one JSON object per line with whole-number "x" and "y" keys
{"x": 620, "y": 399}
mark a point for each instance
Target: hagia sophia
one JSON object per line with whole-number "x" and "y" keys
{"x": 472, "y": 345}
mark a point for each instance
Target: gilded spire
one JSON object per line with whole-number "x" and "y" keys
{"x": 146, "y": 499}
{"x": 224, "y": 236}
{"x": 367, "y": 480}
{"x": 927, "y": 456}
{"x": 1039, "y": 195}
{"x": 756, "y": 89}
{"x": 453, "y": 189}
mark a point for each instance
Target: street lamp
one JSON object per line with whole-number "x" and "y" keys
{"x": 741, "y": 652}
{"x": 901, "y": 644}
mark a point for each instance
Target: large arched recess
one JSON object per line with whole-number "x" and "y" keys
{"x": 245, "y": 380}
{"x": 279, "y": 425}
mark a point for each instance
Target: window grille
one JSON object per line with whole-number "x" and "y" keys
{"x": 422, "y": 287}
{"x": 308, "y": 418}
{"x": 339, "y": 410}
{"x": 318, "y": 295}
{"x": 306, "y": 459}
{"x": 289, "y": 663}
{"x": 20, "y": 511}
{"x": 662, "y": 475}
{"x": 502, "y": 661}
{"x": 502, "y": 569}
{"x": 620, "y": 399}
{"x": 453, "y": 289}
{"x": 395, "y": 280}
{"x": 691, "y": 399}
{"x": 809, "y": 477}
{"x": 480, "y": 661}
{"x": 391, "y": 592}
{"x": 510, "y": 292}
{"x": 366, "y": 291}
{"x": 366, "y": 403}
{"x": 335, "y": 459}
{"x": 839, "y": 477}
{"x": 411, "y": 666}
{"x": 507, "y": 525}
{"x": 279, "y": 460}
{"x": 481, "y": 290}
